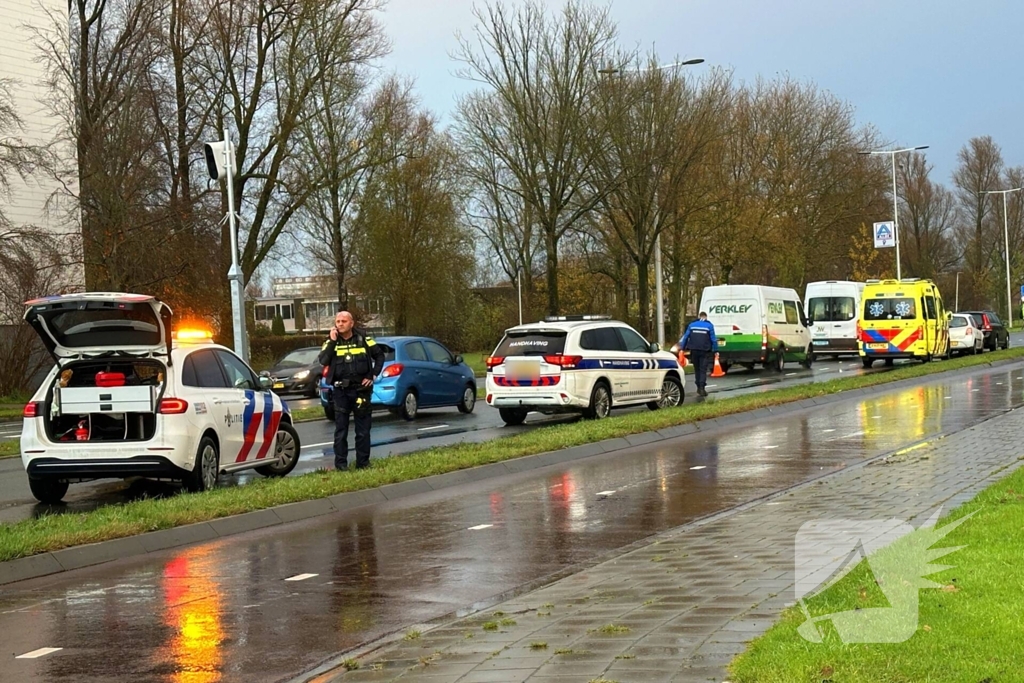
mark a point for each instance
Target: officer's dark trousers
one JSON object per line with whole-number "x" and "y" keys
{"x": 701, "y": 360}
{"x": 345, "y": 404}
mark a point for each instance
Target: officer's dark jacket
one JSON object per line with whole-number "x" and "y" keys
{"x": 358, "y": 358}
{"x": 699, "y": 336}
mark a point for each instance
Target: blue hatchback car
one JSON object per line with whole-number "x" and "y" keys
{"x": 419, "y": 372}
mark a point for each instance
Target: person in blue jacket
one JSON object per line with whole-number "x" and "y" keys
{"x": 699, "y": 339}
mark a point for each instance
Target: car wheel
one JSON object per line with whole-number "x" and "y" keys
{"x": 867, "y": 362}
{"x": 600, "y": 403}
{"x": 1006, "y": 343}
{"x": 410, "y": 405}
{"x": 286, "y": 452}
{"x": 512, "y": 416}
{"x": 203, "y": 476}
{"x": 47, "y": 489}
{"x": 329, "y": 411}
{"x": 671, "y": 394}
{"x": 780, "y": 360}
{"x": 468, "y": 399}
{"x": 808, "y": 358}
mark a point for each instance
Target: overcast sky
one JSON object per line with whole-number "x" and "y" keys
{"x": 924, "y": 72}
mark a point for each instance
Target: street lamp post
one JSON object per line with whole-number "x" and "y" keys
{"x": 1006, "y": 243}
{"x": 658, "y": 292}
{"x": 895, "y": 206}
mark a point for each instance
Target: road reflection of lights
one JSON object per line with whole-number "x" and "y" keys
{"x": 193, "y": 612}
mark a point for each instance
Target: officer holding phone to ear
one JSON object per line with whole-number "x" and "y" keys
{"x": 353, "y": 359}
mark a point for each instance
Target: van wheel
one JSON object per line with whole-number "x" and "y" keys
{"x": 808, "y": 358}
{"x": 780, "y": 360}
{"x": 512, "y": 417}
{"x": 286, "y": 450}
{"x": 48, "y": 490}
{"x": 203, "y": 476}
{"x": 600, "y": 403}
{"x": 867, "y": 362}
{"x": 671, "y": 394}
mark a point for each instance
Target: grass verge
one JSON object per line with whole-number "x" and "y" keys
{"x": 966, "y": 629}
{"x": 52, "y": 532}
{"x": 475, "y": 360}
{"x": 10, "y": 448}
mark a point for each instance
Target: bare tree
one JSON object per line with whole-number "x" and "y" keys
{"x": 980, "y": 168}
{"x": 539, "y": 78}
{"x": 928, "y": 218}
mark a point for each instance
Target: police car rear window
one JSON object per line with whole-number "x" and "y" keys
{"x": 531, "y": 344}
{"x": 890, "y": 309}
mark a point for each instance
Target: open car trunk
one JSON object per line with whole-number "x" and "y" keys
{"x": 105, "y": 400}
{"x": 112, "y": 350}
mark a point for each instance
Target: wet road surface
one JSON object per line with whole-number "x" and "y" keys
{"x": 391, "y": 436}
{"x": 228, "y": 611}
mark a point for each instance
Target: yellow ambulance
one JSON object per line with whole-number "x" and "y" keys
{"x": 902, "y": 319}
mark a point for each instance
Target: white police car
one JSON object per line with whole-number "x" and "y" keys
{"x": 579, "y": 363}
{"x": 124, "y": 400}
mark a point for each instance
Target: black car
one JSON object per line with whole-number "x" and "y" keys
{"x": 297, "y": 372}
{"x": 996, "y": 334}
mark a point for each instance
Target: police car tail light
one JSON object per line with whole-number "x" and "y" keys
{"x": 32, "y": 410}
{"x": 172, "y": 406}
{"x": 564, "y": 362}
{"x": 494, "y": 361}
{"x": 393, "y": 370}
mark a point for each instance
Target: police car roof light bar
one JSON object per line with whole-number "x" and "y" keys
{"x": 574, "y": 318}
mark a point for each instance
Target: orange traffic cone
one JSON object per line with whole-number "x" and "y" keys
{"x": 717, "y": 371}
{"x": 683, "y": 362}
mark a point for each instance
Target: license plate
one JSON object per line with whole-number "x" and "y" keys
{"x": 878, "y": 346}
{"x": 521, "y": 370}
{"x": 279, "y": 385}
{"x": 821, "y": 342}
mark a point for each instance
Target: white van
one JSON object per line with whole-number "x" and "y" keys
{"x": 832, "y": 308}
{"x": 756, "y": 324}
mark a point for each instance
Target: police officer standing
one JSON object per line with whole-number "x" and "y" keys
{"x": 353, "y": 359}
{"x": 699, "y": 339}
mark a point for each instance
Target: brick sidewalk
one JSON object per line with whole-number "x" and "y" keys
{"x": 681, "y": 607}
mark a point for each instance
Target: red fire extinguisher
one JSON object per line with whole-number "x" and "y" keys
{"x": 82, "y": 433}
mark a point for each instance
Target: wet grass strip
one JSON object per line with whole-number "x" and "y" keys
{"x": 59, "y": 530}
{"x": 10, "y": 448}
{"x": 967, "y": 627}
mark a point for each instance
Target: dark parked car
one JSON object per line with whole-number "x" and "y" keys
{"x": 418, "y": 373}
{"x": 996, "y": 334}
{"x": 297, "y": 372}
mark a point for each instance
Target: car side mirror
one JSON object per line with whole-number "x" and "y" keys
{"x": 949, "y": 315}
{"x": 458, "y": 360}
{"x": 265, "y": 382}
{"x": 655, "y": 347}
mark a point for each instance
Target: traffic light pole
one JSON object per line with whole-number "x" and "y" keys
{"x": 235, "y": 273}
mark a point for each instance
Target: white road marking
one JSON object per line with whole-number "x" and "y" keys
{"x": 768, "y": 448}
{"x": 318, "y": 445}
{"x": 605, "y": 493}
{"x": 301, "y": 577}
{"x": 756, "y": 379}
{"x": 790, "y": 374}
{"x": 698, "y": 467}
{"x": 427, "y": 429}
{"x": 974, "y": 391}
{"x": 41, "y": 652}
{"x": 708, "y": 386}
{"x": 948, "y": 397}
{"x": 478, "y": 527}
{"x": 876, "y": 417}
{"x": 827, "y": 431}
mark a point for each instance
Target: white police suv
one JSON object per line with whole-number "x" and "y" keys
{"x": 129, "y": 398}
{"x": 587, "y": 364}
